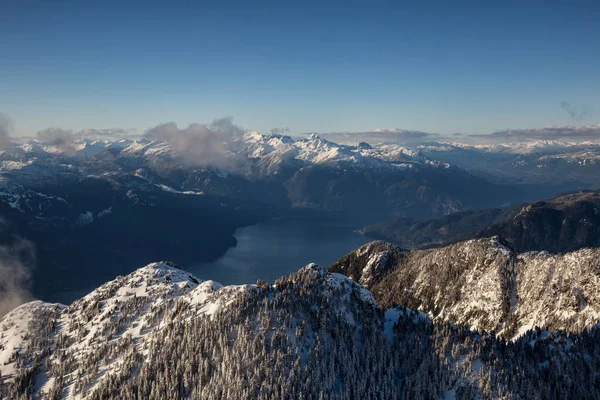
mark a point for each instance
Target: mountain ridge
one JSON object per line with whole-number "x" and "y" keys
{"x": 160, "y": 332}
{"x": 483, "y": 284}
{"x": 564, "y": 223}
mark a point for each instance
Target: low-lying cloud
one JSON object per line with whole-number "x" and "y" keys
{"x": 202, "y": 144}
{"x": 64, "y": 139}
{"x": 17, "y": 260}
{"x": 6, "y": 128}
{"x": 379, "y": 136}
{"x": 547, "y": 133}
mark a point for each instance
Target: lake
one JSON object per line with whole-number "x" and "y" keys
{"x": 273, "y": 248}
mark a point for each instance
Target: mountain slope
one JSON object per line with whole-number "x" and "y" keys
{"x": 87, "y": 231}
{"x": 162, "y": 333}
{"x": 411, "y": 233}
{"x": 564, "y": 223}
{"x": 484, "y": 285}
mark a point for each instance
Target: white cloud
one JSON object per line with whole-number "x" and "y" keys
{"x": 201, "y": 144}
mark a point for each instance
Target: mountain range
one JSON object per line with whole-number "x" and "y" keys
{"x": 91, "y": 208}
{"x": 551, "y": 164}
{"x": 273, "y": 170}
{"x": 496, "y": 299}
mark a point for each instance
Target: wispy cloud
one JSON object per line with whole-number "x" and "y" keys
{"x": 6, "y": 129}
{"x": 92, "y": 132}
{"x": 17, "y": 259}
{"x": 574, "y": 113}
{"x": 63, "y": 139}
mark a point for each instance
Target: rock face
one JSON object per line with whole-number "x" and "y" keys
{"x": 485, "y": 285}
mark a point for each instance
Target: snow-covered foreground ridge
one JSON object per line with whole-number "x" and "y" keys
{"x": 126, "y": 310}
{"x": 161, "y": 333}
{"x": 124, "y": 317}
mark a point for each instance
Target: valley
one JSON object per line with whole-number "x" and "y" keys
{"x": 296, "y": 200}
{"x": 480, "y": 270}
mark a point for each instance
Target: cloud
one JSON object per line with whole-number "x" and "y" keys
{"x": 202, "y": 145}
{"x": 6, "y": 129}
{"x": 379, "y": 136}
{"x": 547, "y": 132}
{"x": 17, "y": 259}
{"x": 64, "y": 139}
{"x": 576, "y": 115}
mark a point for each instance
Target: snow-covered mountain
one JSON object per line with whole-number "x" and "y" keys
{"x": 565, "y": 164}
{"x": 161, "y": 333}
{"x": 273, "y": 150}
{"x": 116, "y": 328}
{"x": 275, "y": 170}
{"x": 149, "y": 198}
{"x": 271, "y": 168}
{"x": 484, "y": 285}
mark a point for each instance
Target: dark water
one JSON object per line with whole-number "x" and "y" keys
{"x": 275, "y": 248}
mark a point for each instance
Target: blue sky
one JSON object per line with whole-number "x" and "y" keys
{"x": 441, "y": 67}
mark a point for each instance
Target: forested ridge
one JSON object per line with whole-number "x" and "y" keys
{"x": 161, "y": 333}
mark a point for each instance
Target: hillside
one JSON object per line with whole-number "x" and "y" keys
{"x": 411, "y": 233}
{"x": 564, "y": 223}
{"x": 561, "y": 224}
{"x": 163, "y": 333}
{"x": 483, "y": 284}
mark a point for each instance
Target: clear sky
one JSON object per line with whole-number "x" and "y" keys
{"x": 315, "y": 66}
